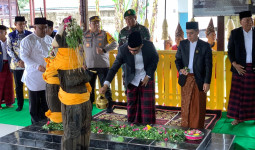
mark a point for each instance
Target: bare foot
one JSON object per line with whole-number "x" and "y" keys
{"x": 235, "y": 122}
{"x": 10, "y": 106}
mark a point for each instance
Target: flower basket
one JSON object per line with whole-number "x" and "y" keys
{"x": 56, "y": 132}
{"x": 193, "y": 134}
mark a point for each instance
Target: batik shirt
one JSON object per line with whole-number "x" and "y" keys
{"x": 124, "y": 33}
{"x": 13, "y": 47}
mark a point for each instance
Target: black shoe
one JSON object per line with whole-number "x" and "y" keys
{"x": 109, "y": 110}
{"x": 18, "y": 109}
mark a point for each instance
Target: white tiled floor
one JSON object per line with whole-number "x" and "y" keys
{"x": 6, "y": 129}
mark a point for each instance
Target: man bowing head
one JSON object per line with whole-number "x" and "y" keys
{"x": 141, "y": 59}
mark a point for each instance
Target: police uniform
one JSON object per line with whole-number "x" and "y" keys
{"x": 99, "y": 63}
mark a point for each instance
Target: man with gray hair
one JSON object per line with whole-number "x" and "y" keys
{"x": 241, "y": 54}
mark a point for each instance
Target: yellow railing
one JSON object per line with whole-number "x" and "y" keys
{"x": 167, "y": 90}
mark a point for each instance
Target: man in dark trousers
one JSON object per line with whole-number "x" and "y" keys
{"x": 241, "y": 53}
{"x": 194, "y": 62}
{"x": 17, "y": 65}
{"x": 98, "y": 43}
{"x": 141, "y": 59}
{"x": 33, "y": 49}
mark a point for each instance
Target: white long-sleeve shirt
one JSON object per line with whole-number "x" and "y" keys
{"x": 139, "y": 69}
{"x": 192, "y": 47}
{"x": 33, "y": 50}
{"x": 248, "y": 45}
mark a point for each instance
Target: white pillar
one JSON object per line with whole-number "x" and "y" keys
{"x": 190, "y": 9}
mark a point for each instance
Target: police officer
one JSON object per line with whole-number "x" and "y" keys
{"x": 98, "y": 43}
{"x": 132, "y": 25}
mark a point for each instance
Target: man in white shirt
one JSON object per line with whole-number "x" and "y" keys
{"x": 141, "y": 59}
{"x": 194, "y": 63}
{"x": 34, "y": 48}
{"x": 6, "y": 78}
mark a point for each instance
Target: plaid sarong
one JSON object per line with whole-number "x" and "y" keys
{"x": 242, "y": 96}
{"x": 141, "y": 103}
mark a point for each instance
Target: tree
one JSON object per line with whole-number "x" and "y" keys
{"x": 22, "y": 4}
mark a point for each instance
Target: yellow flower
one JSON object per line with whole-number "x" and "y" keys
{"x": 148, "y": 127}
{"x": 196, "y": 134}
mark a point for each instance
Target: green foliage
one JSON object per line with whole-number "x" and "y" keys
{"x": 22, "y": 4}
{"x": 115, "y": 1}
{"x": 74, "y": 34}
{"x": 158, "y": 133}
{"x": 141, "y": 132}
{"x": 186, "y": 69}
{"x": 53, "y": 126}
{"x": 127, "y": 5}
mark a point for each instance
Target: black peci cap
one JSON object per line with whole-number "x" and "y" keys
{"x": 244, "y": 14}
{"x": 50, "y": 23}
{"x": 191, "y": 25}
{"x": 19, "y": 18}
{"x": 40, "y": 21}
{"x": 3, "y": 27}
{"x": 135, "y": 39}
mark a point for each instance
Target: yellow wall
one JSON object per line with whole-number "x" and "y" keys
{"x": 167, "y": 91}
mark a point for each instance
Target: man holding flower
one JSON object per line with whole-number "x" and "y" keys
{"x": 194, "y": 63}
